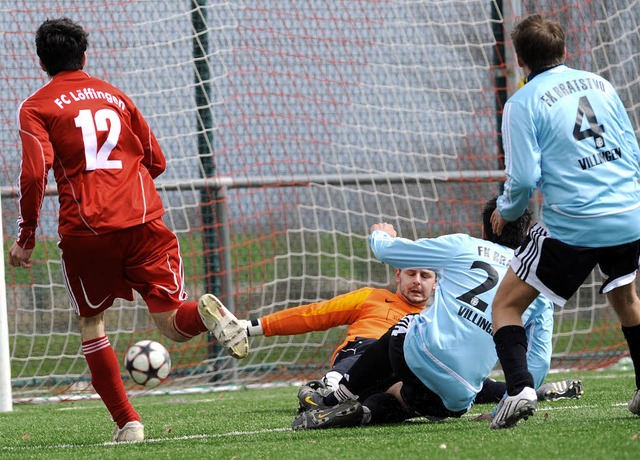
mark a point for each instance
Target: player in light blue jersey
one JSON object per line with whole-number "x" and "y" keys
{"x": 441, "y": 356}
{"x": 566, "y": 132}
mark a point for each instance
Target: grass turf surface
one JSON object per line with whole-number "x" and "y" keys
{"x": 255, "y": 424}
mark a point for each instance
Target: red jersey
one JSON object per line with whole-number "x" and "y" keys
{"x": 369, "y": 313}
{"x": 103, "y": 153}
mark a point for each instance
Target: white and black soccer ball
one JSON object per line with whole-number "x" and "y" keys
{"x": 148, "y": 363}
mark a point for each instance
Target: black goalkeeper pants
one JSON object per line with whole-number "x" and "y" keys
{"x": 383, "y": 364}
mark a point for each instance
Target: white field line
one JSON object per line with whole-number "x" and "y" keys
{"x": 152, "y": 440}
{"x": 245, "y": 433}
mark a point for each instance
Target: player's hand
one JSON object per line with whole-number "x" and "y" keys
{"x": 384, "y": 227}
{"x": 19, "y": 257}
{"x": 497, "y": 222}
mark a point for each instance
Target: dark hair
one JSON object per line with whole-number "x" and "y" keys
{"x": 539, "y": 42}
{"x": 513, "y": 234}
{"x": 61, "y": 44}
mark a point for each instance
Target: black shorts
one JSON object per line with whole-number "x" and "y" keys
{"x": 415, "y": 394}
{"x": 557, "y": 269}
{"x": 350, "y": 353}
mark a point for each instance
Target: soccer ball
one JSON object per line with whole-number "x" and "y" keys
{"x": 148, "y": 363}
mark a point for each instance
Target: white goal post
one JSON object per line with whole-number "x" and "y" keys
{"x": 6, "y": 403}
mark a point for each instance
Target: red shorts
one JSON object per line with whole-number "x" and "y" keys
{"x": 145, "y": 258}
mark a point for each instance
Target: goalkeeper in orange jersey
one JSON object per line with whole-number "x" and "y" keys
{"x": 369, "y": 313}
{"x": 113, "y": 239}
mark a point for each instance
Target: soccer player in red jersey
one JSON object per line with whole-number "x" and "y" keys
{"x": 113, "y": 239}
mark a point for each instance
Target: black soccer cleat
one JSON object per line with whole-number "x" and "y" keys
{"x": 348, "y": 413}
{"x": 310, "y": 396}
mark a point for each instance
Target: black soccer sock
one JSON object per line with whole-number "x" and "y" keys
{"x": 632, "y": 334}
{"x": 492, "y": 392}
{"x": 385, "y": 408}
{"x": 511, "y": 347}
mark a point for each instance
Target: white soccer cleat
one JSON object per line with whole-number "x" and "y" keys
{"x": 565, "y": 389}
{"x": 131, "y": 432}
{"x": 634, "y": 404}
{"x": 227, "y": 329}
{"x": 512, "y": 409}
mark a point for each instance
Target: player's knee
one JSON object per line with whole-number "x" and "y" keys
{"x": 165, "y": 323}
{"x": 385, "y": 408}
{"x": 91, "y": 327}
{"x": 626, "y": 303}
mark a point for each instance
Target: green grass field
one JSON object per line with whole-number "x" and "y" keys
{"x": 255, "y": 424}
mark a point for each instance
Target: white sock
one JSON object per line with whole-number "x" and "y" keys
{"x": 253, "y": 327}
{"x": 332, "y": 380}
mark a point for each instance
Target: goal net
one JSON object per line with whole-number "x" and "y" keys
{"x": 290, "y": 127}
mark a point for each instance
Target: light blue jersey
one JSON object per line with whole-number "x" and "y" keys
{"x": 567, "y": 133}
{"x": 450, "y": 345}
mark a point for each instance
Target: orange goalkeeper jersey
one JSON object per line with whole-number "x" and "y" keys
{"x": 103, "y": 154}
{"x": 368, "y": 312}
